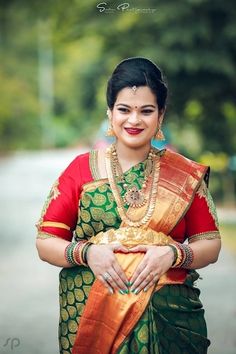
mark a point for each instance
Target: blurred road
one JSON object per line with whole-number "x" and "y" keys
{"x": 29, "y": 287}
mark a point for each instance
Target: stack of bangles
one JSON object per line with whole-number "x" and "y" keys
{"x": 76, "y": 252}
{"x": 183, "y": 255}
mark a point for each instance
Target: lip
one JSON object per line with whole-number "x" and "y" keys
{"x": 133, "y": 131}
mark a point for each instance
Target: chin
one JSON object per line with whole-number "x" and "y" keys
{"x": 135, "y": 143}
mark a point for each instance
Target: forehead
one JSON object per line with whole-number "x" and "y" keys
{"x": 142, "y": 96}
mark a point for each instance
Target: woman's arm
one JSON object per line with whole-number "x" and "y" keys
{"x": 205, "y": 252}
{"x": 52, "y": 250}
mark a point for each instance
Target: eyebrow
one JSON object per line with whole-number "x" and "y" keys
{"x": 126, "y": 105}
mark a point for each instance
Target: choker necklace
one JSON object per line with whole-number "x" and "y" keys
{"x": 134, "y": 197}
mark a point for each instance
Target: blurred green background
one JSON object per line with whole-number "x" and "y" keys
{"x": 56, "y": 57}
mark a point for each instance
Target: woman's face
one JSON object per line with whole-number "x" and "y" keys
{"x": 135, "y": 117}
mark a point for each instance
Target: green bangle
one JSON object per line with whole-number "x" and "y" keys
{"x": 85, "y": 251}
{"x": 174, "y": 249}
{"x": 69, "y": 253}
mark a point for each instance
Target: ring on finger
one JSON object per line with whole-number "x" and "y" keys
{"x": 106, "y": 276}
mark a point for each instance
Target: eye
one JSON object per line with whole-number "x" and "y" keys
{"x": 147, "y": 111}
{"x": 123, "y": 110}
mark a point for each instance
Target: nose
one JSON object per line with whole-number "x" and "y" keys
{"x": 133, "y": 118}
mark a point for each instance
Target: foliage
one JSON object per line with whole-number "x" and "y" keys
{"x": 193, "y": 41}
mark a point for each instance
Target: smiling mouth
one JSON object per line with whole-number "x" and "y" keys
{"x": 134, "y": 131}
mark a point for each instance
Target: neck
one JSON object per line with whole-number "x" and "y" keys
{"x": 129, "y": 156}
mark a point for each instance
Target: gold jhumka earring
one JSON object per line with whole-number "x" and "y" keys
{"x": 110, "y": 131}
{"x": 159, "y": 135}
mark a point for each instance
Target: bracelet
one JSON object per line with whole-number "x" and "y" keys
{"x": 179, "y": 257}
{"x": 69, "y": 253}
{"x": 85, "y": 252}
{"x": 189, "y": 256}
{"x": 77, "y": 252}
{"x": 185, "y": 255}
{"x": 73, "y": 252}
{"x": 174, "y": 249}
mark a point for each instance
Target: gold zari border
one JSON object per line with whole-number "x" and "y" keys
{"x": 210, "y": 235}
{"x": 60, "y": 225}
{"x": 45, "y": 235}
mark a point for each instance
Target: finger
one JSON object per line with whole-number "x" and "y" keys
{"x": 138, "y": 270}
{"x": 116, "y": 282}
{"x": 120, "y": 273}
{"x": 120, "y": 248}
{"x": 146, "y": 282}
{"x": 109, "y": 288}
{"x": 151, "y": 283}
{"x": 139, "y": 248}
{"x": 141, "y": 277}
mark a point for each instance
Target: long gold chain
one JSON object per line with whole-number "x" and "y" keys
{"x": 151, "y": 197}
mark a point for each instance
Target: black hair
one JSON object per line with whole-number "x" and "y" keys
{"x": 137, "y": 71}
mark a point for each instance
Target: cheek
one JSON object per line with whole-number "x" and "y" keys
{"x": 118, "y": 119}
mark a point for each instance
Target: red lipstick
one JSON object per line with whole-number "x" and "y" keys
{"x": 133, "y": 131}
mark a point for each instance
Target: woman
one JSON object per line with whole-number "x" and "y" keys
{"x": 127, "y": 283}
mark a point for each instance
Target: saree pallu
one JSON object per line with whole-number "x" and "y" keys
{"x": 172, "y": 320}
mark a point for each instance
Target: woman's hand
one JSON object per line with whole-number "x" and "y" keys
{"x": 156, "y": 262}
{"x": 102, "y": 261}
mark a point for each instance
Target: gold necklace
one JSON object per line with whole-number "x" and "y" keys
{"x": 133, "y": 197}
{"x": 153, "y": 178}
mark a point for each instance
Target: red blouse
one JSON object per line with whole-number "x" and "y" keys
{"x": 60, "y": 213}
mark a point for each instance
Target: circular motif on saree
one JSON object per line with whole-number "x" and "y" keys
{"x": 130, "y": 178}
{"x": 87, "y": 277}
{"x": 80, "y": 308}
{"x": 64, "y": 285}
{"x": 72, "y": 311}
{"x": 110, "y": 197}
{"x": 86, "y": 200}
{"x": 79, "y": 295}
{"x": 72, "y": 325}
{"x": 103, "y": 188}
{"x": 88, "y": 230}
{"x": 65, "y": 343}
{"x": 70, "y": 298}
{"x": 79, "y": 232}
{"x": 64, "y": 329}
{"x": 98, "y": 226}
{"x": 70, "y": 283}
{"x": 72, "y": 338}
{"x": 97, "y": 213}
{"x": 143, "y": 334}
{"x": 63, "y": 300}
{"x": 78, "y": 280}
{"x": 64, "y": 315}
{"x": 99, "y": 199}
{"x": 135, "y": 346}
{"x": 85, "y": 216}
{"x": 86, "y": 289}
{"x": 109, "y": 218}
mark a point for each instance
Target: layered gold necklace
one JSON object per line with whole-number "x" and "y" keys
{"x": 134, "y": 197}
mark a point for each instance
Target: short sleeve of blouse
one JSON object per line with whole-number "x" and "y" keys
{"x": 201, "y": 218}
{"x": 60, "y": 212}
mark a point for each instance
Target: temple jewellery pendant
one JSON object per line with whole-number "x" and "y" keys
{"x": 134, "y": 197}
